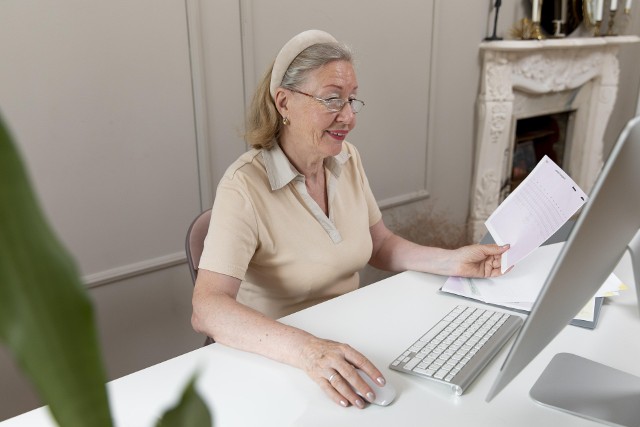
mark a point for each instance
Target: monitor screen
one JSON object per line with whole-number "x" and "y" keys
{"x": 603, "y": 231}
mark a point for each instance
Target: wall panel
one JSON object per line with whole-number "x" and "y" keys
{"x": 98, "y": 95}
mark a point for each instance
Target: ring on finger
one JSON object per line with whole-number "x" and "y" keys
{"x": 335, "y": 374}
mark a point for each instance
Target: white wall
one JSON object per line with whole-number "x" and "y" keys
{"x": 629, "y": 88}
{"x": 98, "y": 94}
{"x": 123, "y": 154}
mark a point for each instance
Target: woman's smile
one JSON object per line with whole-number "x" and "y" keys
{"x": 338, "y": 135}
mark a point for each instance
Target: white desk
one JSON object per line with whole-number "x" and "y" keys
{"x": 380, "y": 320}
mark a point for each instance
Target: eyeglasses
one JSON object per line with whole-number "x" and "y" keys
{"x": 335, "y": 105}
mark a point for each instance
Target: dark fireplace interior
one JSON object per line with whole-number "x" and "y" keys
{"x": 536, "y": 137}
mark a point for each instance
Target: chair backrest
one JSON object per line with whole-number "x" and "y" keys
{"x": 195, "y": 241}
{"x": 194, "y": 244}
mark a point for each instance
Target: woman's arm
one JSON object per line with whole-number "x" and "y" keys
{"x": 216, "y": 313}
{"x": 394, "y": 253}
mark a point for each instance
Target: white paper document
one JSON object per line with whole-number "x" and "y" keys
{"x": 536, "y": 209}
{"x": 520, "y": 287}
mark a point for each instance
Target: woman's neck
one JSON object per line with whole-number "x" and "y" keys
{"x": 311, "y": 165}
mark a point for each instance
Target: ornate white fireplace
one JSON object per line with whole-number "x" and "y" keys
{"x": 522, "y": 79}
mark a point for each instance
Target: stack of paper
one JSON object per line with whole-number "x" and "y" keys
{"x": 519, "y": 288}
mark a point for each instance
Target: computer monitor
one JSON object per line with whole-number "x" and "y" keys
{"x": 603, "y": 231}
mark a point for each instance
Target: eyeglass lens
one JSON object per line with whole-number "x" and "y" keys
{"x": 336, "y": 105}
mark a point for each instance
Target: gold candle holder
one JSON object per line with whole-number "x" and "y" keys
{"x": 536, "y": 32}
{"x": 596, "y": 28}
{"x": 612, "y": 14}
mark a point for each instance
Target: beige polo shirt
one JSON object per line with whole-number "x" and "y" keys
{"x": 268, "y": 232}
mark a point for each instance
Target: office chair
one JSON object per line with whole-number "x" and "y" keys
{"x": 194, "y": 244}
{"x": 195, "y": 241}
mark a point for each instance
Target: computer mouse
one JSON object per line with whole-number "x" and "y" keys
{"x": 384, "y": 394}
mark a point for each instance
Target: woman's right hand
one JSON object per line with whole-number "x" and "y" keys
{"x": 332, "y": 365}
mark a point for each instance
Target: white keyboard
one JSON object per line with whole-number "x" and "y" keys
{"x": 459, "y": 346}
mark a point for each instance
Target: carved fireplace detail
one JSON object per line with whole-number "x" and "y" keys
{"x": 522, "y": 79}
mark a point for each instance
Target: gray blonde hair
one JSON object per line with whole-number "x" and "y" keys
{"x": 264, "y": 124}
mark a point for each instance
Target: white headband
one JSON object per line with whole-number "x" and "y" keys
{"x": 292, "y": 49}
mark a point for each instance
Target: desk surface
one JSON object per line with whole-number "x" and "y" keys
{"x": 380, "y": 320}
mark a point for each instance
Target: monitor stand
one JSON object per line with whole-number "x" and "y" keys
{"x": 589, "y": 389}
{"x": 634, "y": 251}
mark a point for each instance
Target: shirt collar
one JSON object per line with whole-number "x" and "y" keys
{"x": 281, "y": 172}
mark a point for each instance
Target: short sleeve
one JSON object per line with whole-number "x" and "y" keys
{"x": 232, "y": 237}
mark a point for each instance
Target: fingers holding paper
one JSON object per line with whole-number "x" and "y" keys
{"x": 480, "y": 260}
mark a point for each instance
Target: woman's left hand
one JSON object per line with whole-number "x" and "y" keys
{"x": 479, "y": 260}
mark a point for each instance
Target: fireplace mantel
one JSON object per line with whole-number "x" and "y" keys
{"x": 562, "y": 43}
{"x": 524, "y": 78}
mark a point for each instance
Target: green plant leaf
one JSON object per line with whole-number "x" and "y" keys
{"x": 191, "y": 411}
{"x": 46, "y": 317}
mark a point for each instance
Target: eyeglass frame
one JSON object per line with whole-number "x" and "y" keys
{"x": 325, "y": 101}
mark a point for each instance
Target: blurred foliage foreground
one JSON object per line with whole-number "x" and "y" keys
{"x": 46, "y": 316}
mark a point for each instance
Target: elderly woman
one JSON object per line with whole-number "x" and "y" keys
{"x": 294, "y": 220}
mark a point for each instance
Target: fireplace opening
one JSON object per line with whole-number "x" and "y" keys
{"x": 536, "y": 137}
